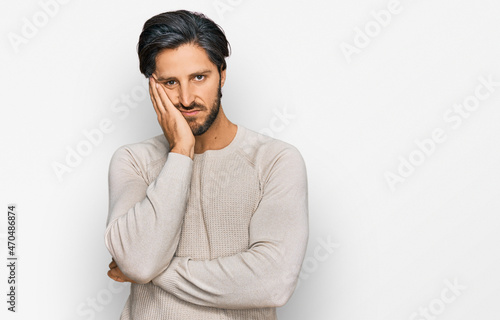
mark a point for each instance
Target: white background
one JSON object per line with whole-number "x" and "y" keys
{"x": 354, "y": 117}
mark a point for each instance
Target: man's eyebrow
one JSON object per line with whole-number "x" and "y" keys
{"x": 201, "y": 72}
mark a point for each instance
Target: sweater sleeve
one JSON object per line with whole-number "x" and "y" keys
{"x": 266, "y": 274}
{"x": 144, "y": 221}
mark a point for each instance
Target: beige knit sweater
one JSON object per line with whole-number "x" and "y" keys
{"x": 222, "y": 236}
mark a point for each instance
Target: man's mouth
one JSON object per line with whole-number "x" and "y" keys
{"x": 190, "y": 113}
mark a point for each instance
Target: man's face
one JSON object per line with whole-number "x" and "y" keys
{"x": 192, "y": 83}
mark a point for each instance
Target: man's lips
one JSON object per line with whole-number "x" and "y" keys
{"x": 190, "y": 112}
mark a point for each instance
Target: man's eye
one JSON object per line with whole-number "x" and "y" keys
{"x": 170, "y": 82}
{"x": 200, "y": 77}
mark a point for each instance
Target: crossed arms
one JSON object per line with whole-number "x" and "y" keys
{"x": 144, "y": 226}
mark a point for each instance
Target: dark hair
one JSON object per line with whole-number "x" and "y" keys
{"x": 169, "y": 30}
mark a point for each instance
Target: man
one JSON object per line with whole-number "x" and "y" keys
{"x": 210, "y": 219}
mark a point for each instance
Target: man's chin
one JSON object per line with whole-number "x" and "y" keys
{"x": 195, "y": 128}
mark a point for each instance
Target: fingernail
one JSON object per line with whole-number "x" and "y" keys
{"x": 157, "y": 85}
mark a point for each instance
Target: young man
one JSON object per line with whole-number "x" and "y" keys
{"x": 210, "y": 219}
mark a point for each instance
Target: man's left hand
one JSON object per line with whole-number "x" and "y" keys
{"x": 116, "y": 274}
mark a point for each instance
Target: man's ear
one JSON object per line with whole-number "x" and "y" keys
{"x": 222, "y": 77}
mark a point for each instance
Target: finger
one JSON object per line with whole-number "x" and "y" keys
{"x": 159, "y": 105}
{"x": 112, "y": 264}
{"x": 165, "y": 99}
{"x": 117, "y": 275}
{"x": 113, "y": 276}
{"x": 152, "y": 84}
{"x": 162, "y": 97}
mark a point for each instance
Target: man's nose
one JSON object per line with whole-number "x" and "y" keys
{"x": 186, "y": 96}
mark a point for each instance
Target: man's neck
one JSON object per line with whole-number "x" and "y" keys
{"x": 219, "y": 135}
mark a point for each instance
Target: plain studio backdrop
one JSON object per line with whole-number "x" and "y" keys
{"x": 394, "y": 106}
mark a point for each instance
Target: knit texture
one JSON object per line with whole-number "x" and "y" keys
{"x": 222, "y": 236}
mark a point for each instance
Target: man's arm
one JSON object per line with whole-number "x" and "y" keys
{"x": 144, "y": 222}
{"x": 266, "y": 274}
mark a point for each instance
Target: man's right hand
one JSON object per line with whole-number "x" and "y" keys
{"x": 174, "y": 126}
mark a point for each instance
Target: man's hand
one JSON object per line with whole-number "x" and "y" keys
{"x": 174, "y": 125}
{"x": 116, "y": 274}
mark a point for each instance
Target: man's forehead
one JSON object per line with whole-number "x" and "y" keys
{"x": 187, "y": 59}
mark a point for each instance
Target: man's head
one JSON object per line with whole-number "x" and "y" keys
{"x": 185, "y": 52}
